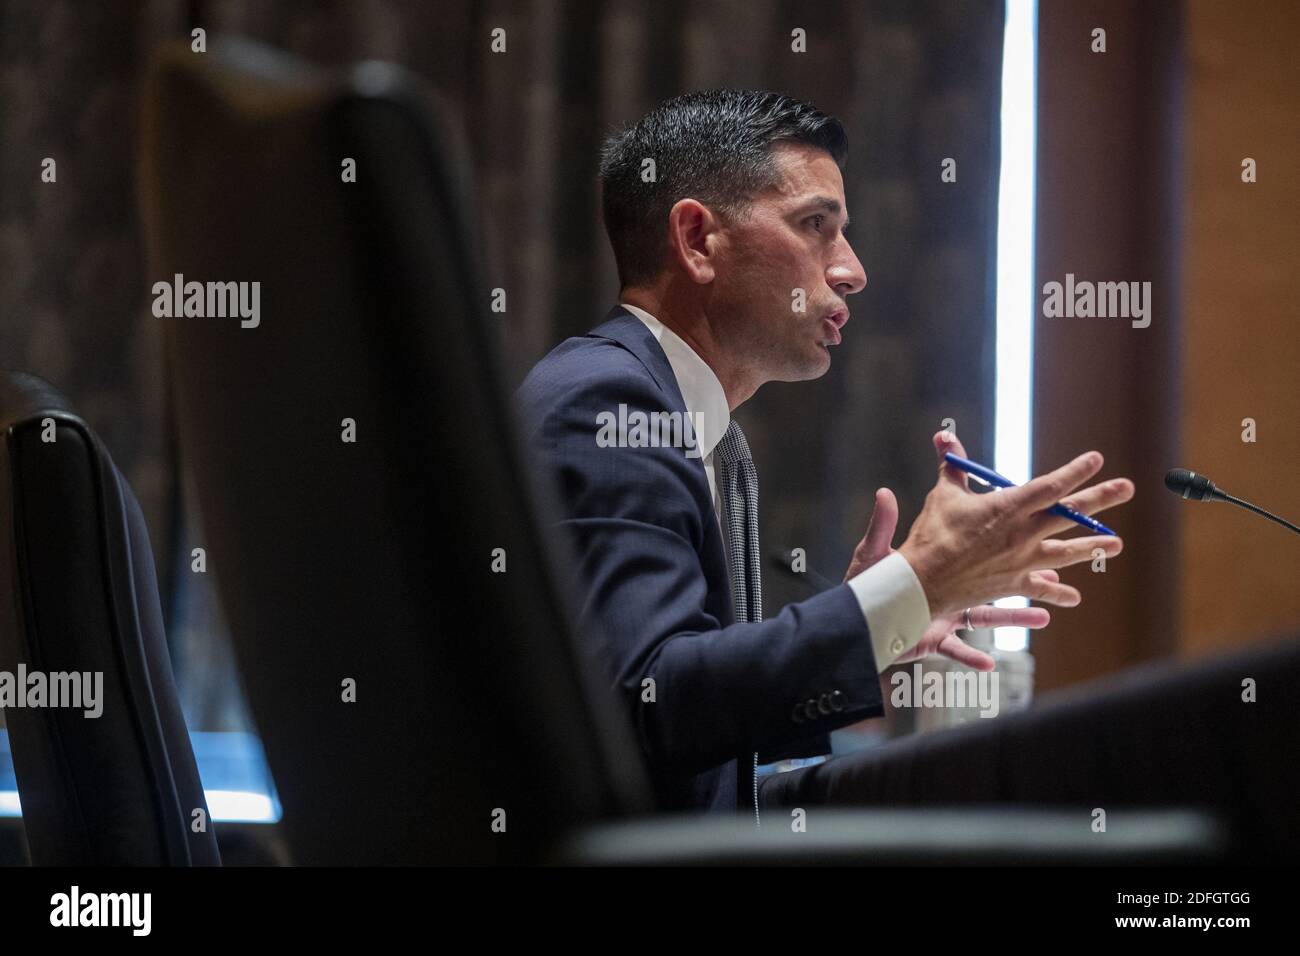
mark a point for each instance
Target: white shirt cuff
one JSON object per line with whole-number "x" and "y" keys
{"x": 895, "y": 606}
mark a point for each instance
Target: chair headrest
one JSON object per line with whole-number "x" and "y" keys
{"x": 25, "y": 397}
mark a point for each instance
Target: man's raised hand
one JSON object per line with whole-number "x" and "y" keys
{"x": 968, "y": 548}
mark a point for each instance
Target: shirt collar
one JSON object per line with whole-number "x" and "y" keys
{"x": 705, "y": 399}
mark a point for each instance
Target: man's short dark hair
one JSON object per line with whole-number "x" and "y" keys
{"x": 714, "y": 146}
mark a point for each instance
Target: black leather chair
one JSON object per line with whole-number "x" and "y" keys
{"x": 365, "y": 561}
{"x": 371, "y": 560}
{"x": 78, "y": 594}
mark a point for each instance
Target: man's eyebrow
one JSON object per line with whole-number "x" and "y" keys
{"x": 828, "y": 203}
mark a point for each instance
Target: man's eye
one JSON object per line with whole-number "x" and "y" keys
{"x": 817, "y": 221}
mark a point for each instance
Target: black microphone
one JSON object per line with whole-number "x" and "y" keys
{"x": 1194, "y": 487}
{"x": 783, "y": 560}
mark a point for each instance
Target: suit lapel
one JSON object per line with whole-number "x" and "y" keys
{"x": 627, "y": 330}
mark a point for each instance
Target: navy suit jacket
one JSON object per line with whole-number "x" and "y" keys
{"x": 654, "y": 594}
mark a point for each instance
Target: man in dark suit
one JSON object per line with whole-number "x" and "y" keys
{"x": 726, "y": 212}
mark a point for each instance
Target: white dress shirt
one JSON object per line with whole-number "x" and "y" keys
{"x": 889, "y": 593}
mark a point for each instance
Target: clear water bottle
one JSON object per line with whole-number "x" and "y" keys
{"x": 1014, "y": 685}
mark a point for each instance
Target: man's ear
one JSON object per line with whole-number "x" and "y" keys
{"x": 693, "y": 239}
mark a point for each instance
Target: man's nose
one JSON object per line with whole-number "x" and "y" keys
{"x": 846, "y": 275}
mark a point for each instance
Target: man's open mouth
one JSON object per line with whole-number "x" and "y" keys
{"x": 832, "y": 332}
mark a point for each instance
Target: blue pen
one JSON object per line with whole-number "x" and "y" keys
{"x": 993, "y": 478}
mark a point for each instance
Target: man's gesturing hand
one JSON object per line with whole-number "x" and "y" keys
{"x": 941, "y": 636}
{"x": 968, "y": 548}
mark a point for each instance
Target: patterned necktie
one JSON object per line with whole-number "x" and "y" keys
{"x": 738, "y": 480}
{"x": 738, "y": 489}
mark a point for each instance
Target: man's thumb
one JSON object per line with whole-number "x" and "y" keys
{"x": 944, "y": 442}
{"x": 884, "y": 521}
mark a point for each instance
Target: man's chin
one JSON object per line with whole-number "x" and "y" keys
{"x": 816, "y": 365}
{"x": 822, "y": 359}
